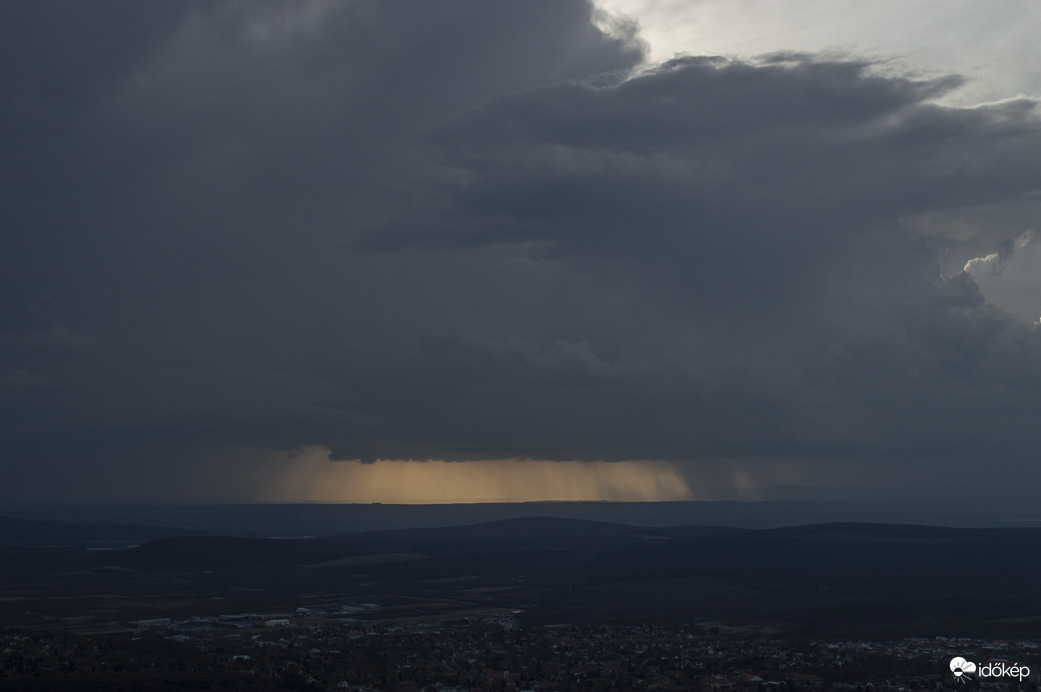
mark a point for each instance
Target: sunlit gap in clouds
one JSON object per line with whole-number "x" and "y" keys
{"x": 312, "y": 477}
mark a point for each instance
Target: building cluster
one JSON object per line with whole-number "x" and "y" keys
{"x": 323, "y": 651}
{"x": 205, "y": 627}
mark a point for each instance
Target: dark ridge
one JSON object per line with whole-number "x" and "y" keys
{"x": 28, "y": 532}
{"x": 209, "y": 552}
{"x": 520, "y": 528}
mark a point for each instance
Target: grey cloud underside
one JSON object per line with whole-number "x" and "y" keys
{"x": 465, "y": 230}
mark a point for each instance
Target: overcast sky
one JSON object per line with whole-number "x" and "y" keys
{"x": 733, "y": 244}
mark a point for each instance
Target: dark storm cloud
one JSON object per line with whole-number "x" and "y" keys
{"x": 180, "y": 181}
{"x": 702, "y": 150}
{"x": 464, "y": 230}
{"x": 759, "y": 203}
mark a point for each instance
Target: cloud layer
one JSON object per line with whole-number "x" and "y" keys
{"x": 473, "y": 231}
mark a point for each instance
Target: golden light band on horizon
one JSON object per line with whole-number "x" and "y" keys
{"x": 316, "y": 479}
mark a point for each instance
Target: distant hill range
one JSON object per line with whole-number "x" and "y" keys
{"x": 1009, "y": 508}
{"x": 838, "y": 579}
